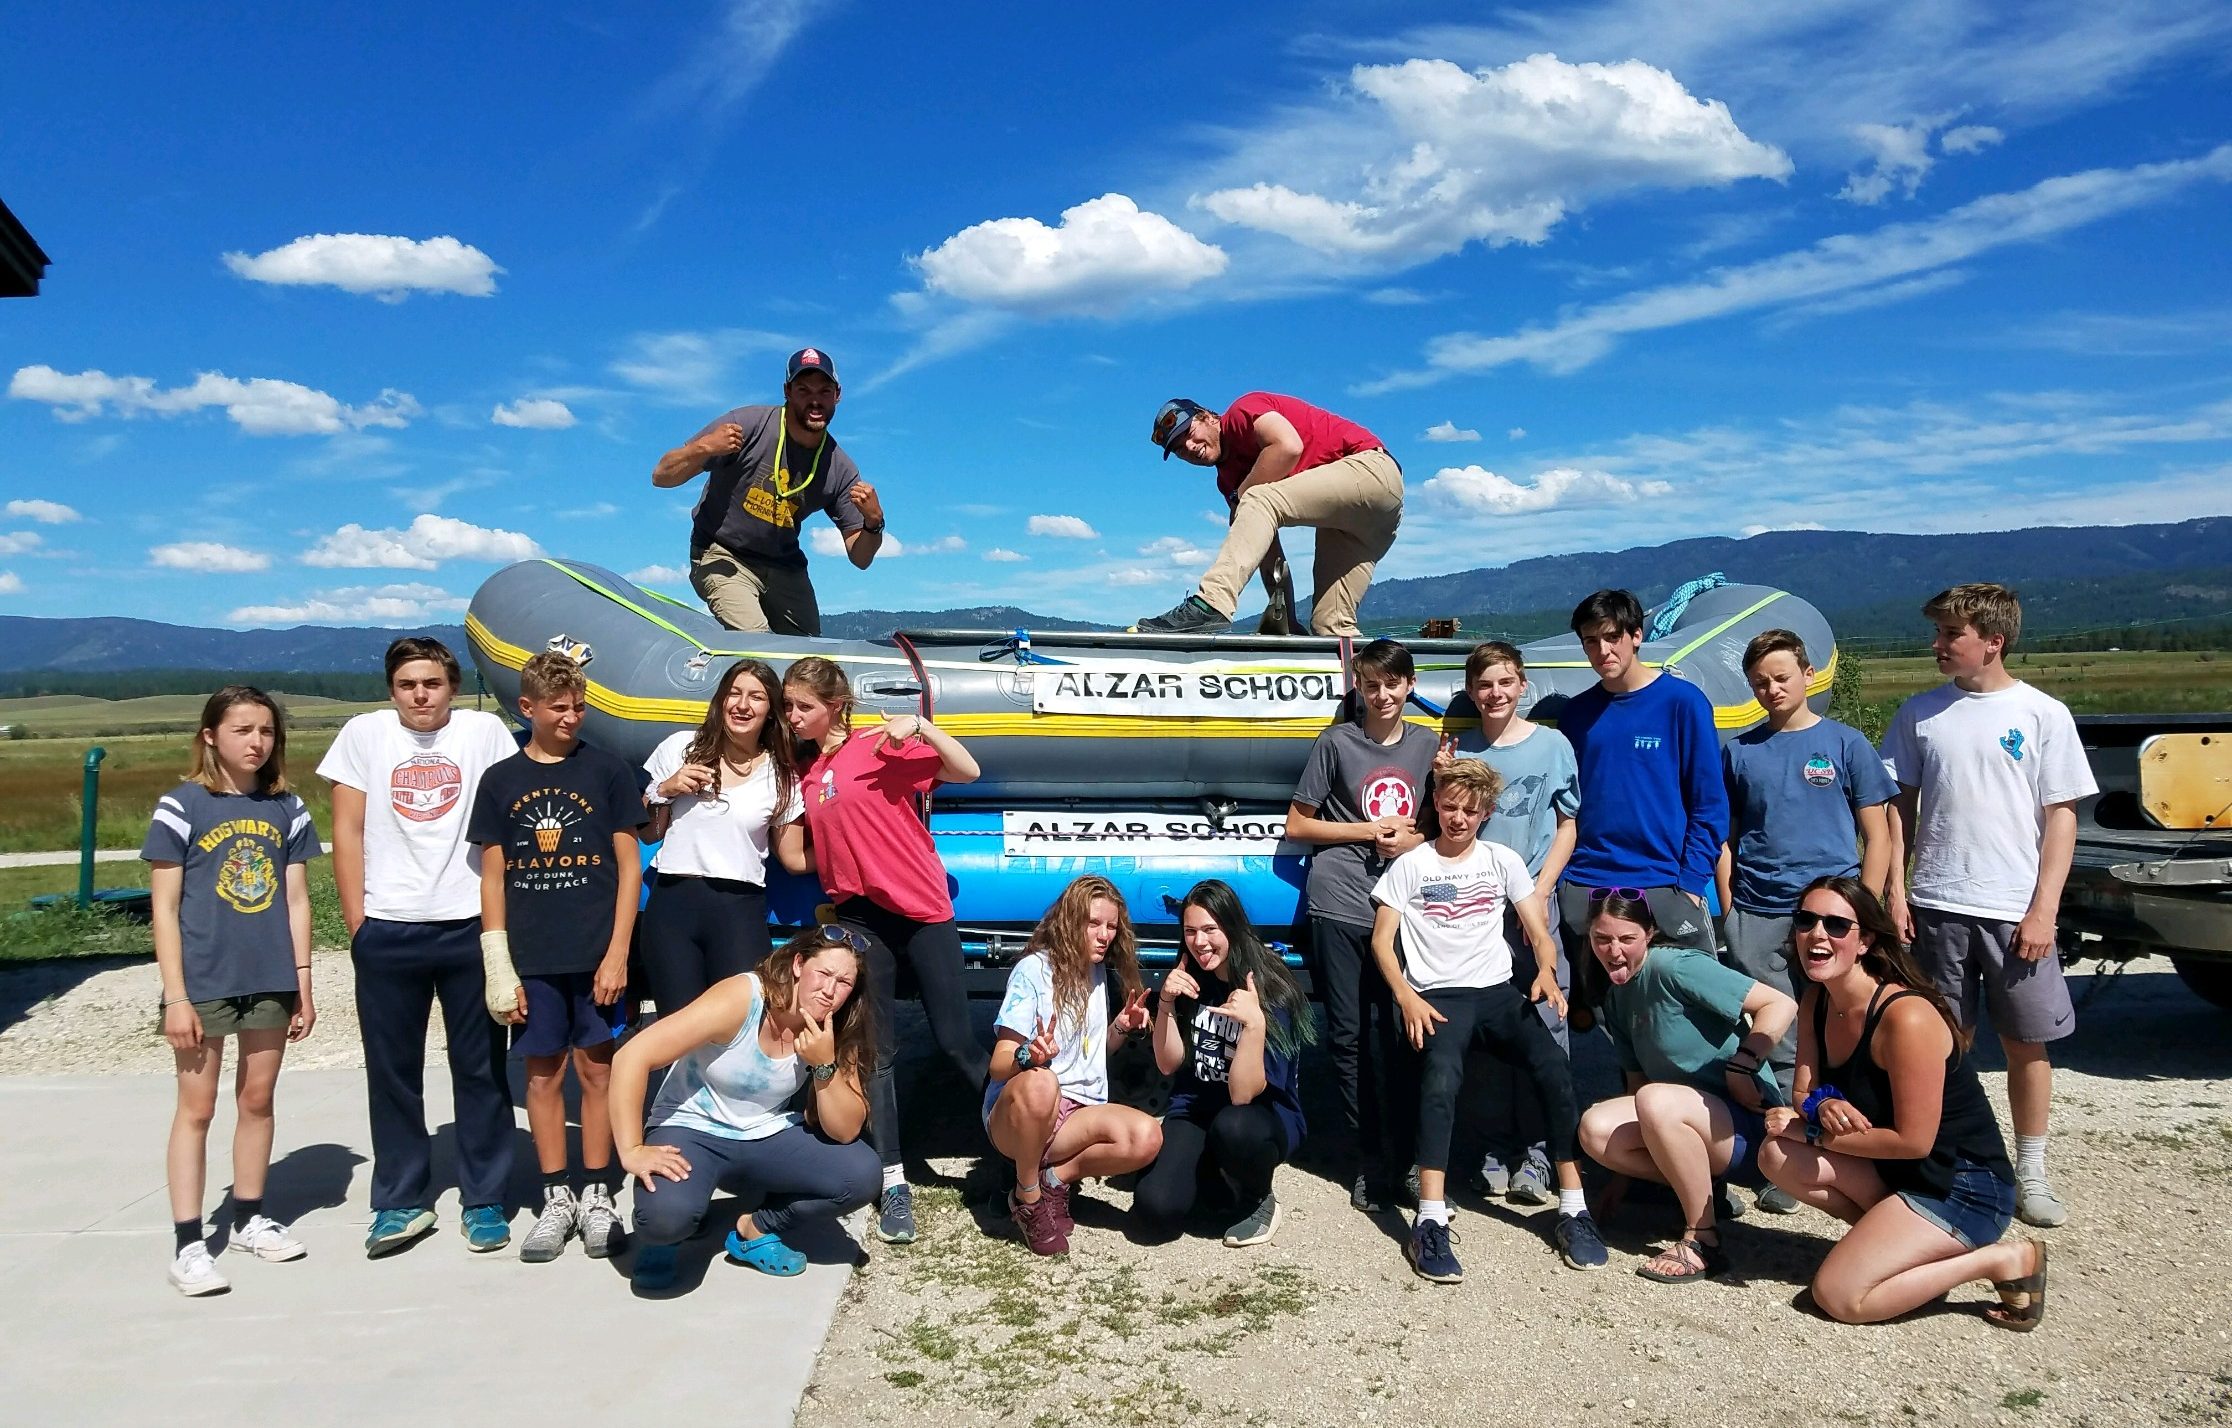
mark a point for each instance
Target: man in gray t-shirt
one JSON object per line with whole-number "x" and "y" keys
{"x": 769, "y": 468}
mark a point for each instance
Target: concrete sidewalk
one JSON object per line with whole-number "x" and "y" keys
{"x": 95, "y": 1333}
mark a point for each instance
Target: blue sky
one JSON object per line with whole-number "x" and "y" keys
{"x": 345, "y": 314}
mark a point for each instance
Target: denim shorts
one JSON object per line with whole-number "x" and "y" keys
{"x": 1975, "y": 1211}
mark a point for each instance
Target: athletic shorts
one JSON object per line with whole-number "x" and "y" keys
{"x": 1973, "y": 960}
{"x": 1751, "y": 1133}
{"x": 1975, "y": 1211}
{"x": 229, "y": 1016}
{"x": 1064, "y": 1108}
{"x": 563, "y": 1014}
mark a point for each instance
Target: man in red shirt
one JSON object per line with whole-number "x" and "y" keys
{"x": 1282, "y": 462}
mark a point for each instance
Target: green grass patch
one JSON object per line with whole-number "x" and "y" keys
{"x": 2089, "y": 682}
{"x": 29, "y": 934}
{"x": 2023, "y": 1400}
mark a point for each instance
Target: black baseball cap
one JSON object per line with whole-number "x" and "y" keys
{"x": 809, "y": 359}
{"x": 1173, "y": 422}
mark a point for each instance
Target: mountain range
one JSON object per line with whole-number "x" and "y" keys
{"x": 1870, "y": 585}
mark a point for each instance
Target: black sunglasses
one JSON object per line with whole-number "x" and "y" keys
{"x": 1630, "y": 894}
{"x": 1804, "y": 921}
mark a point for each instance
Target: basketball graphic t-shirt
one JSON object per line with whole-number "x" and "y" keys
{"x": 418, "y": 788}
{"x": 553, "y": 825}
{"x": 232, "y": 851}
{"x": 1353, "y": 778}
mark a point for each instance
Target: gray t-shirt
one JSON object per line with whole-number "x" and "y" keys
{"x": 1541, "y": 781}
{"x": 234, "y": 850}
{"x": 1353, "y": 778}
{"x": 1791, "y": 798}
{"x": 752, "y": 505}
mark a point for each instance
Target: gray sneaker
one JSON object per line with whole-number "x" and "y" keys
{"x": 597, "y": 1222}
{"x": 1494, "y": 1179}
{"x": 2037, "y": 1204}
{"x": 1532, "y": 1185}
{"x": 553, "y": 1227}
{"x": 1775, "y": 1200}
{"x": 1262, "y": 1223}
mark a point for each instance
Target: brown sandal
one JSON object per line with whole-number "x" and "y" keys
{"x": 2031, "y": 1313}
{"x": 1710, "y": 1259}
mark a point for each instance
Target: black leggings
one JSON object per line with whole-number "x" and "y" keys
{"x": 1377, "y": 1083}
{"x": 698, "y": 931}
{"x": 1506, "y": 1026}
{"x": 1247, "y": 1143}
{"x": 933, "y": 952}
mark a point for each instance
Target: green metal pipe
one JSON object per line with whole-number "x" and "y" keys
{"x": 89, "y": 831}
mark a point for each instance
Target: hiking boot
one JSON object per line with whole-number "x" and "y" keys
{"x": 895, "y": 1221}
{"x": 1531, "y": 1186}
{"x": 393, "y": 1229}
{"x": 1774, "y": 1200}
{"x": 597, "y": 1222}
{"x": 1258, "y": 1228}
{"x": 266, "y": 1238}
{"x": 2037, "y": 1204}
{"x": 1189, "y": 616}
{"x": 1578, "y": 1242}
{"x": 553, "y": 1227}
{"x": 193, "y": 1273}
{"x": 1493, "y": 1179}
{"x": 1040, "y": 1230}
{"x": 1430, "y": 1255}
{"x": 487, "y": 1227}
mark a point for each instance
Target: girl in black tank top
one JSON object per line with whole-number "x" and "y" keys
{"x": 1892, "y": 1133}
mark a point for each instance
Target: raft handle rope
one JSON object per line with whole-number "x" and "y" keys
{"x": 1667, "y": 616}
{"x": 1018, "y": 646}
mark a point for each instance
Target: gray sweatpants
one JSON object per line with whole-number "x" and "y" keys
{"x": 1759, "y": 947}
{"x": 803, "y": 1175}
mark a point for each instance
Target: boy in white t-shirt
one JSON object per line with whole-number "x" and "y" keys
{"x": 1452, "y": 980}
{"x": 1989, "y": 772}
{"x": 403, "y": 784}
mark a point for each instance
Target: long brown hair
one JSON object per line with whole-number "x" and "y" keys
{"x": 825, "y": 680}
{"x": 272, "y": 777}
{"x": 1060, "y": 934}
{"x": 856, "y": 1019}
{"x": 712, "y": 736}
{"x": 1883, "y": 956}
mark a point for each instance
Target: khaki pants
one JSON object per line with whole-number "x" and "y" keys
{"x": 1354, "y": 504}
{"x": 755, "y": 597}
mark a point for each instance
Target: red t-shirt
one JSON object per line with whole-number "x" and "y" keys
{"x": 1325, "y": 437}
{"x": 868, "y": 841}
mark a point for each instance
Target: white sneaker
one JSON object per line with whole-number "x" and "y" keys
{"x": 553, "y": 1227}
{"x": 598, "y": 1223}
{"x": 266, "y": 1238}
{"x": 2037, "y": 1204}
{"x": 193, "y": 1272}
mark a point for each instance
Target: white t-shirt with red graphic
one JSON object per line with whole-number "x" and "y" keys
{"x": 1453, "y": 913}
{"x": 418, "y": 792}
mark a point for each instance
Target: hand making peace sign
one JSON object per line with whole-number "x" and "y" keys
{"x": 1134, "y": 1016}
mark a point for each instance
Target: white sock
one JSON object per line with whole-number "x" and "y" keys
{"x": 1572, "y": 1202}
{"x": 894, "y": 1175}
{"x": 1433, "y": 1212}
{"x": 1049, "y": 1179}
{"x": 2030, "y": 1157}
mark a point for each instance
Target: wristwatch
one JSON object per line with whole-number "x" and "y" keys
{"x": 824, "y": 1072}
{"x": 1023, "y": 1058}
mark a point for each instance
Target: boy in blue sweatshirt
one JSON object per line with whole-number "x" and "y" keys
{"x": 1654, "y": 808}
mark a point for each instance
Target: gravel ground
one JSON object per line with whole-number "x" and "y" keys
{"x": 1327, "y": 1325}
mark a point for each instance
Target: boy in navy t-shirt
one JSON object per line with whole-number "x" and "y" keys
{"x": 560, "y": 880}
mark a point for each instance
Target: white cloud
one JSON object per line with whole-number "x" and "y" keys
{"x": 693, "y": 367}
{"x": 46, "y": 513}
{"x": 10, "y": 583}
{"x": 1450, "y": 431}
{"x": 1062, "y": 527}
{"x": 1969, "y": 139}
{"x": 1901, "y": 155}
{"x": 1398, "y": 297}
{"x": 1003, "y": 556}
{"x": 19, "y": 542}
{"x": 357, "y": 605}
{"x": 1479, "y": 491}
{"x": 1105, "y": 253}
{"x": 943, "y": 545}
{"x": 1844, "y": 263}
{"x": 389, "y": 269}
{"x": 595, "y": 512}
{"x": 1750, "y": 531}
{"x": 425, "y": 544}
{"x": 1517, "y": 433}
{"x": 660, "y": 575}
{"x": 259, "y": 406}
{"x": 533, "y": 413}
{"x": 828, "y": 540}
{"x": 1178, "y": 551}
{"x": 1424, "y": 157}
{"x": 207, "y": 556}
{"x": 728, "y": 66}
{"x": 1135, "y": 575}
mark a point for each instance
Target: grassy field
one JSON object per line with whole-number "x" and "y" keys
{"x": 28, "y": 935}
{"x": 2089, "y": 682}
{"x": 41, "y": 784}
{"x": 78, "y": 716}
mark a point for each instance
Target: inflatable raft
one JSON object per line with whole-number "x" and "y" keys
{"x": 1154, "y": 760}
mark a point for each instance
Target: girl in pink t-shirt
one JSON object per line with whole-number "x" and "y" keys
{"x": 879, "y": 867}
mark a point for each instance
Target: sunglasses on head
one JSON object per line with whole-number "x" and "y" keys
{"x": 1629, "y": 894}
{"x": 1804, "y": 921}
{"x": 835, "y": 934}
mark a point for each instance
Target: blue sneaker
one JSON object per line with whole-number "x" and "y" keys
{"x": 393, "y": 1229}
{"x": 895, "y": 1221}
{"x": 487, "y": 1228}
{"x": 765, "y": 1253}
{"x": 655, "y": 1268}
{"x": 1429, "y": 1253}
{"x": 1578, "y": 1242}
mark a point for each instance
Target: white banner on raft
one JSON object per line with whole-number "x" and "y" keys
{"x": 1026, "y": 834}
{"x": 1143, "y": 689}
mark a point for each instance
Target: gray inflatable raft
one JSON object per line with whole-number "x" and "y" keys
{"x": 1070, "y": 717}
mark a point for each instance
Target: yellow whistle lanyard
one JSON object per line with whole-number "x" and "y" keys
{"x": 776, "y": 475}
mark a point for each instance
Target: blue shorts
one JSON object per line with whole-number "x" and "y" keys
{"x": 1975, "y": 1211}
{"x": 1751, "y": 1133}
{"x": 562, "y": 1014}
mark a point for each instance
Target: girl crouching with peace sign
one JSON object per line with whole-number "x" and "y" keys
{"x": 1229, "y": 1023}
{"x": 764, "y": 1099}
{"x": 1047, "y": 1107}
